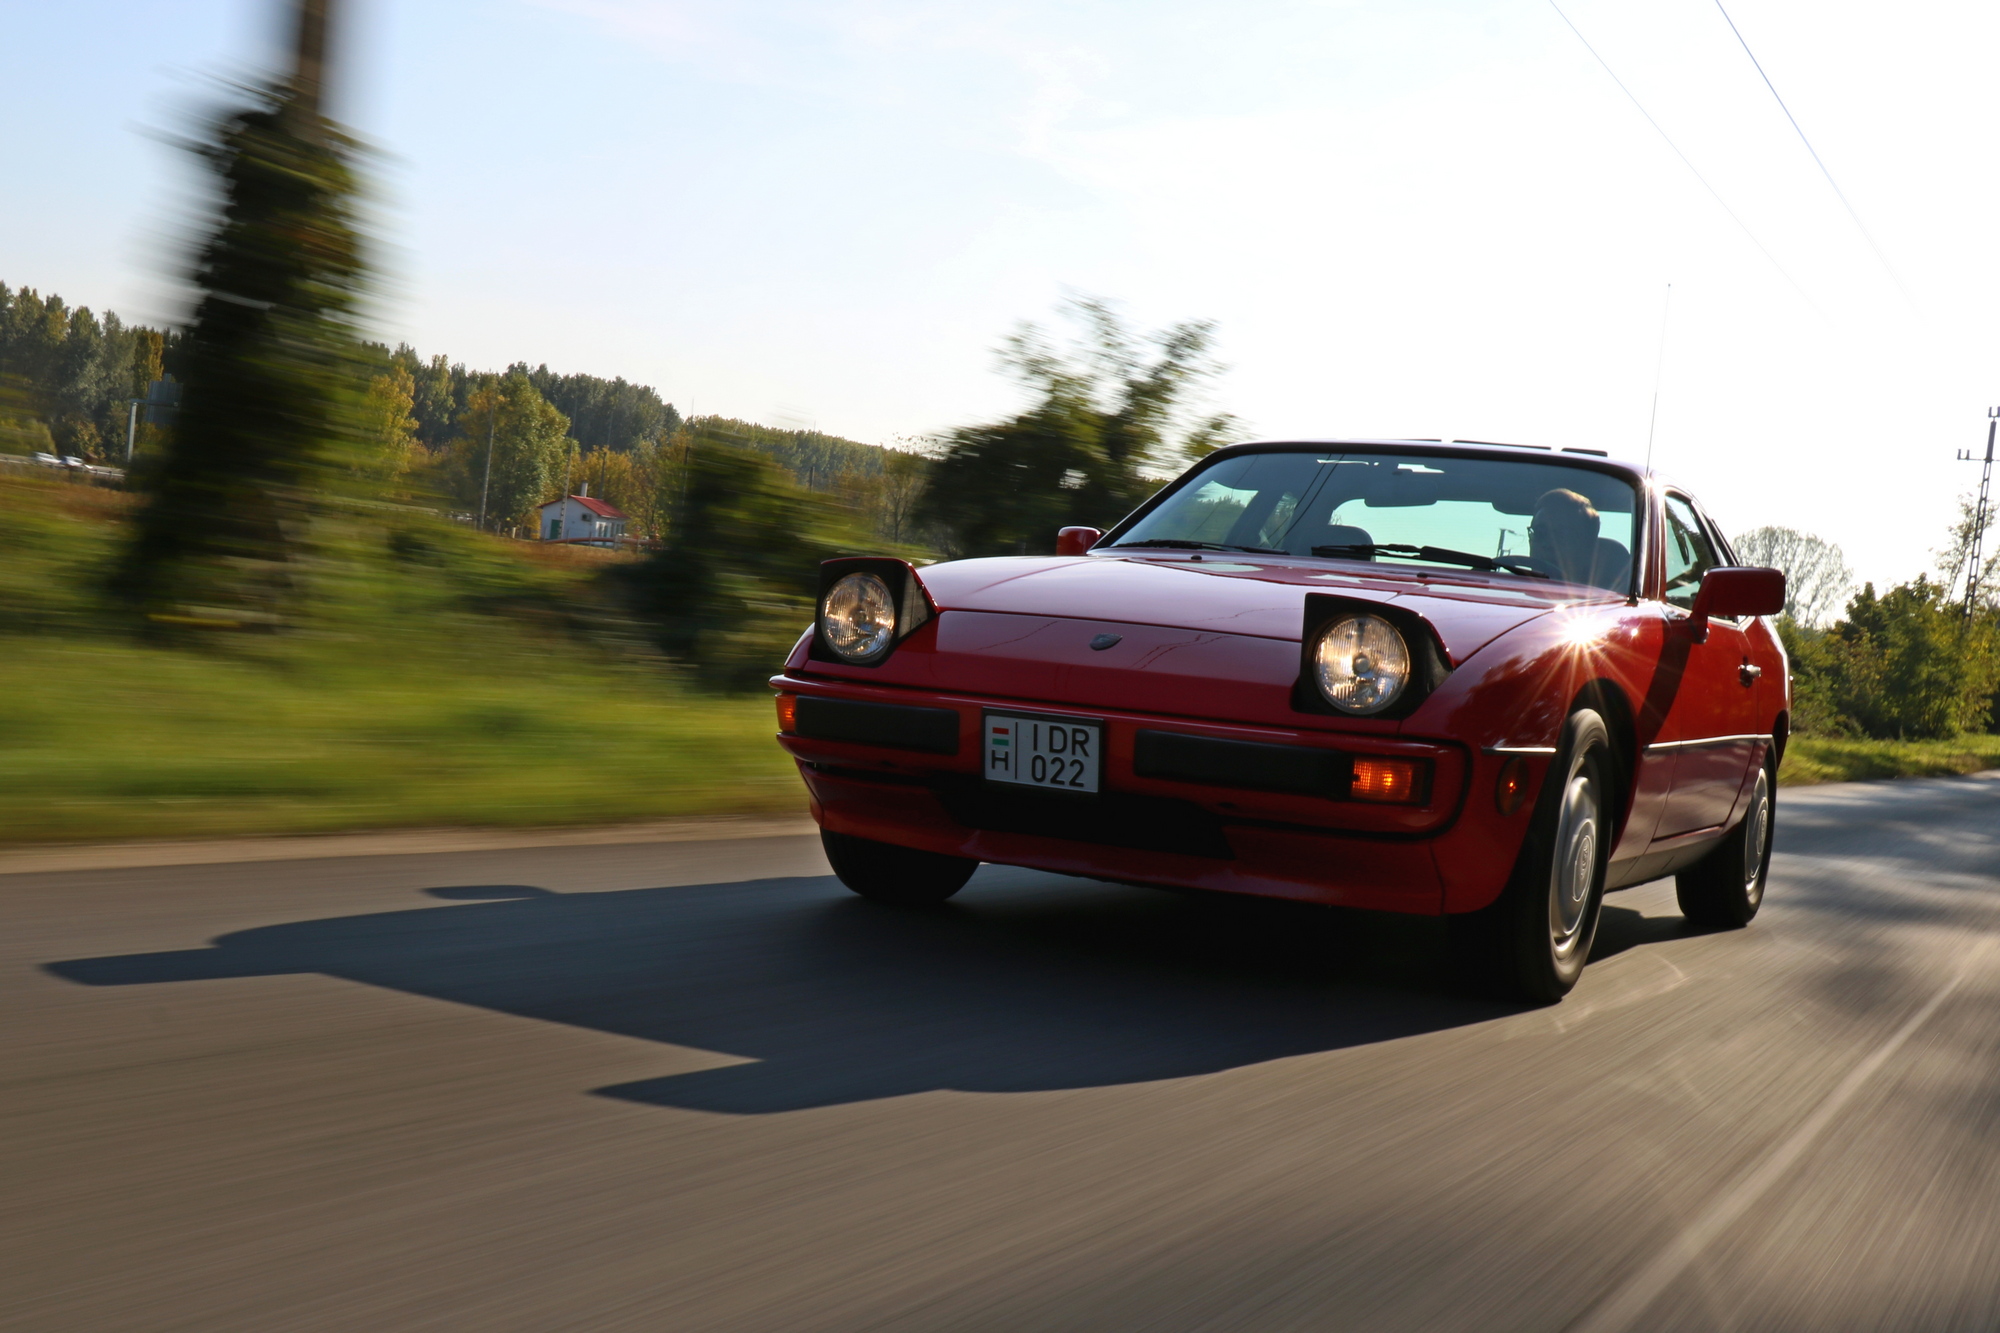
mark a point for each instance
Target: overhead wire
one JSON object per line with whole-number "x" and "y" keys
{"x": 1859, "y": 225}
{"x": 1685, "y": 160}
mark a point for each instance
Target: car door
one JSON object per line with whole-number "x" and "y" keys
{"x": 1712, "y": 721}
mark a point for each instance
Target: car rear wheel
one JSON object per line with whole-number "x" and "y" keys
{"x": 890, "y": 874}
{"x": 1724, "y": 889}
{"x": 1536, "y": 939}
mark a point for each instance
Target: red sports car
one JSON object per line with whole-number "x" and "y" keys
{"x": 1485, "y": 681}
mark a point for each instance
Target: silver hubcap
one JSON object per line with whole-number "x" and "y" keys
{"x": 1756, "y": 830}
{"x": 1575, "y": 863}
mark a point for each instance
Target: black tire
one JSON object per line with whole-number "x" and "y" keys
{"x": 886, "y": 873}
{"x": 1724, "y": 889}
{"x": 1532, "y": 943}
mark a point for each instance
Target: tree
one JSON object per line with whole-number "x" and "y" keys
{"x": 616, "y": 479}
{"x": 1907, "y": 665}
{"x": 389, "y": 423}
{"x": 1955, "y": 557}
{"x": 905, "y": 474}
{"x": 1106, "y": 415}
{"x": 734, "y": 585}
{"x": 511, "y": 452}
{"x": 1817, "y": 579}
{"x": 268, "y": 429}
{"x": 604, "y": 414}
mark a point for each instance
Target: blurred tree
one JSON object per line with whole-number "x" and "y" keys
{"x": 1106, "y": 414}
{"x": 268, "y": 431}
{"x": 733, "y": 587}
{"x": 1817, "y": 579}
{"x": 906, "y": 469}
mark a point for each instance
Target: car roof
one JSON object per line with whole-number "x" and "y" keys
{"x": 1596, "y": 459}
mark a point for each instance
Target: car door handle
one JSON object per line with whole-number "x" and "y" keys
{"x": 1749, "y": 674}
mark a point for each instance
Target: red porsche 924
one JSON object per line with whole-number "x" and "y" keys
{"x": 1485, "y": 681}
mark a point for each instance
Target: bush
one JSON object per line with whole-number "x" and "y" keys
{"x": 733, "y": 589}
{"x": 1902, "y": 665}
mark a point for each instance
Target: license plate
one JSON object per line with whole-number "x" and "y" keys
{"x": 1053, "y": 752}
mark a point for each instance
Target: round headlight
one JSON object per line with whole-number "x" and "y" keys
{"x": 857, "y": 618}
{"x": 1361, "y": 664}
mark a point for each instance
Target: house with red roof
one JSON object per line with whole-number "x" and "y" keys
{"x": 579, "y": 518}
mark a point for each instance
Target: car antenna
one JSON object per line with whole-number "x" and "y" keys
{"x": 1659, "y": 363}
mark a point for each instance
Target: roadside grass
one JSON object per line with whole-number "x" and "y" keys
{"x": 103, "y": 740}
{"x": 445, "y": 678}
{"x": 1815, "y": 759}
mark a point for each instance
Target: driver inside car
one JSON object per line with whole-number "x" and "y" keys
{"x": 1563, "y": 534}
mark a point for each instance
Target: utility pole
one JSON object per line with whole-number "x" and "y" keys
{"x": 492, "y": 420}
{"x": 308, "y": 82}
{"x": 1981, "y": 513}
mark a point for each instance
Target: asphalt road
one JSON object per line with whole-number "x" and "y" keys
{"x": 698, "y": 1086}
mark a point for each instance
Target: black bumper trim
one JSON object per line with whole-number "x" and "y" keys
{"x": 1255, "y": 765}
{"x": 895, "y": 726}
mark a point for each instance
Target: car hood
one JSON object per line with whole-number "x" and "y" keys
{"x": 1248, "y": 595}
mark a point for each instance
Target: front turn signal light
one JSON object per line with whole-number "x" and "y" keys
{"x": 1388, "y": 781}
{"x": 788, "y": 713}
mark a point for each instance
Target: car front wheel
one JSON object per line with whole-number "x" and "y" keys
{"x": 1534, "y": 941}
{"x": 886, "y": 873}
{"x": 1724, "y": 889}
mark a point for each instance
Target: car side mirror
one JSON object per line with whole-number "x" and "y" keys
{"x": 1731, "y": 591}
{"x": 1075, "y": 541}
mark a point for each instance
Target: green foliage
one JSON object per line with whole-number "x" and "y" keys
{"x": 733, "y": 588}
{"x": 604, "y": 414}
{"x": 65, "y": 375}
{"x": 1902, "y": 665}
{"x": 269, "y": 438}
{"x": 816, "y": 461}
{"x": 1106, "y": 416}
{"x": 529, "y": 446}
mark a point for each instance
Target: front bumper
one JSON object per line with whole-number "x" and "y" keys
{"x": 911, "y": 783}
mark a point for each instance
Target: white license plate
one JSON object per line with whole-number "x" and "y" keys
{"x": 1053, "y": 752}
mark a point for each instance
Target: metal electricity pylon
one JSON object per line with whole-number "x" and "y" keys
{"x": 1981, "y": 513}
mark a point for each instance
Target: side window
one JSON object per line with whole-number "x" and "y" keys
{"x": 1690, "y": 554}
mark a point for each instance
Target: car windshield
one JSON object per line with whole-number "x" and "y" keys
{"x": 1529, "y": 518}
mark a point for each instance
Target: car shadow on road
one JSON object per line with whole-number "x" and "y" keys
{"x": 1025, "y": 982}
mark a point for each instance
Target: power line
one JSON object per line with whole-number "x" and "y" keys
{"x": 1713, "y": 193}
{"x": 1859, "y": 225}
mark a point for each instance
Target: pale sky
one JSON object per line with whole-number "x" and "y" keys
{"x": 1427, "y": 218}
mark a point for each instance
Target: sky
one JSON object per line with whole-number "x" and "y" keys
{"x": 1428, "y": 218}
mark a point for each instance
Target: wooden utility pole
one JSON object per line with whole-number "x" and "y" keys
{"x": 308, "y": 81}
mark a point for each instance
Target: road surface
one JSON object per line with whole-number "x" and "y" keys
{"x": 697, "y": 1086}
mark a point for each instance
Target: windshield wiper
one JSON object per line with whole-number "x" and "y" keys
{"x": 1435, "y": 554}
{"x": 1176, "y": 544}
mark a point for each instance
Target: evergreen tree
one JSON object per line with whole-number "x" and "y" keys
{"x": 268, "y": 428}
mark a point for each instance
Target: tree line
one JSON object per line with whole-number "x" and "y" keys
{"x": 66, "y": 375}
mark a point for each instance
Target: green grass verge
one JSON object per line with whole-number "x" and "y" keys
{"x": 1811, "y": 759}
{"x": 108, "y": 740}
